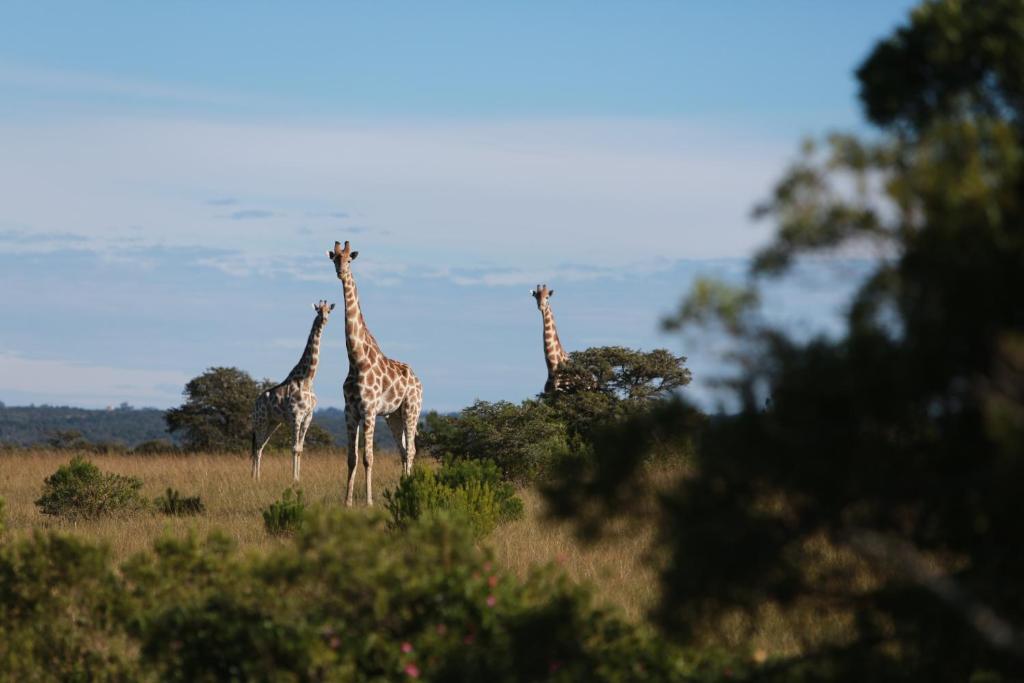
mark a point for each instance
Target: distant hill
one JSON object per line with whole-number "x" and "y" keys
{"x": 128, "y": 426}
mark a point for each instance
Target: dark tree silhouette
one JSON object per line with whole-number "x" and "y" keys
{"x": 883, "y": 482}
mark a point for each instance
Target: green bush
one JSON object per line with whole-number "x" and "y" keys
{"x": 344, "y": 599}
{"x": 522, "y": 440}
{"x": 285, "y": 516}
{"x": 155, "y": 447}
{"x": 472, "y": 492}
{"x": 173, "y": 503}
{"x": 81, "y": 490}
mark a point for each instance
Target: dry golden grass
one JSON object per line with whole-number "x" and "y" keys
{"x": 618, "y": 567}
{"x": 615, "y": 567}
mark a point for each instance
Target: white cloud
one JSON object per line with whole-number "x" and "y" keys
{"x": 532, "y": 193}
{"x": 80, "y": 384}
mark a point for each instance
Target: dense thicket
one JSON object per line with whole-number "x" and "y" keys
{"x": 882, "y": 481}
{"x": 344, "y": 599}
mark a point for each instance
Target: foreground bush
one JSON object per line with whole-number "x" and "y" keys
{"x": 522, "y": 440}
{"x": 471, "y": 491}
{"x": 175, "y": 504}
{"x": 285, "y": 516}
{"x": 345, "y": 600}
{"x": 81, "y": 490}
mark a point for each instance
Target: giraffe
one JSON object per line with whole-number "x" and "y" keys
{"x": 554, "y": 354}
{"x": 292, "y": 401}
{"x": 375, "y": 385}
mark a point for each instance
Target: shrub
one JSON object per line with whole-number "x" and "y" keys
{"x": 286, "y": 515}
{"x": 471, "y": 492}
{"x": 81, "y": 490}
{"x": 173, "y": 503}
{"x": 522, "y": 440}
{"x": 344, "y": 599}
{"x": 155, "y": 447}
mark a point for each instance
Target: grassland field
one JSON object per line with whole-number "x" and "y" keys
{"x": 620, "y": 568}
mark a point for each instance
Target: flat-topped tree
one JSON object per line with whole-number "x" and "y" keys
{"x": 375, "y": 385}
{"x": 291, "y": 402}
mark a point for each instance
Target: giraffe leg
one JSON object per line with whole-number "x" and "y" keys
{"x": 396, "y": 423}
{"x": 260, "y": 439}
{"x": 300, "y": 443}
{"x": 411, "y": 414}
{"x": 369, "y": 423}
{"x": 352, "y": 425}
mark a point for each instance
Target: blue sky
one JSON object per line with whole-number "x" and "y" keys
{"x": 172, "y": 174}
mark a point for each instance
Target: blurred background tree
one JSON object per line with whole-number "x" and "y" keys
{"x": 881, "y": 484}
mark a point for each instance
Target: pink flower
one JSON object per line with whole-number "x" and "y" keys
{"x": 492, "y": 580}
{"x": 491, "y": 601}
{"x": 441, "y": 629}
{"x": 335, "y": 642}
{"x": 487, "y": 566}
{"x": 412, "y": 671}
{"x": 407, "y": 647}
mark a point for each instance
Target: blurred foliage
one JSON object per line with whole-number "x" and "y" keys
{"x": 345, "y": 599}
{"x": 472, "y": 491}
{"x": 123, "y": 426}
{"x": 79, "y": 489}
{"x": 899, "y": 446}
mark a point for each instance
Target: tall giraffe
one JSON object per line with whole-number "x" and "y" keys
{"x": 375, "y": 385}
{"x": 554, "y": 354}
{"x": 292, "y": 401}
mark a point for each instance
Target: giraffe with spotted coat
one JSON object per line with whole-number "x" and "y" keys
{"x": 375, "y": 385}
{"x": 292, "y": 401}
{"x": 554, "y": 354}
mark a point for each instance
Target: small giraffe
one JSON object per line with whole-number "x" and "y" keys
{"x": 292, "y": 401}
{"x": 375, "y": 385}
{"x": 554, "y": 354}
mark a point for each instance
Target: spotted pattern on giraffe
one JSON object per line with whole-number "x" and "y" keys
{"x": 291, "y": 402}
{"x": 375, "y": 385}
{"x": 554, "y": 353}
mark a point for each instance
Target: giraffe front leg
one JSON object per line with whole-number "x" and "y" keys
{"x": 352, "y": 425}
{"x": 300, "y": 444}
{"x": 369, "y": 423}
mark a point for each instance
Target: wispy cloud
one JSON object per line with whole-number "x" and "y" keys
{"x": 248, "y": 214}
{"x": 62, "y": 380}
{"x": 222, "y": 201}
{"x": 79, "y": 82}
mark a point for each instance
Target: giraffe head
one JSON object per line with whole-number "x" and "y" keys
{"x": 323, "y": 309}
{"x": 542, "y": 294}
{"x": 342, "y": 258}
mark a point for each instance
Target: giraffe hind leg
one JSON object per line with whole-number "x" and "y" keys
{"x": 396, "y": 423}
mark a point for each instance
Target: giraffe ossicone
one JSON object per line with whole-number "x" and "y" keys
{"x": 375, "y": 385}
{"x": 291, "y": 402}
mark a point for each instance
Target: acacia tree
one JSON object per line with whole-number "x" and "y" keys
{"x": 882, "y": 485}
{"x": 217, "y": 413}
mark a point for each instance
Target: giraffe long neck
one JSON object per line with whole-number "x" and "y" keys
{"x": 554, "y": 354}
{"x": 358, "y": 339}
{"x": 305, "y": 371}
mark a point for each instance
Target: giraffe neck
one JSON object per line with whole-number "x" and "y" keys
{"x": 305, "y": 371}
{"x": 554, "y": 354}
{"x": 358, "y": 339}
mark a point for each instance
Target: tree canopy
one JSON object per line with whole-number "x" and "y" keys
{"x": 882, "y": 483}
